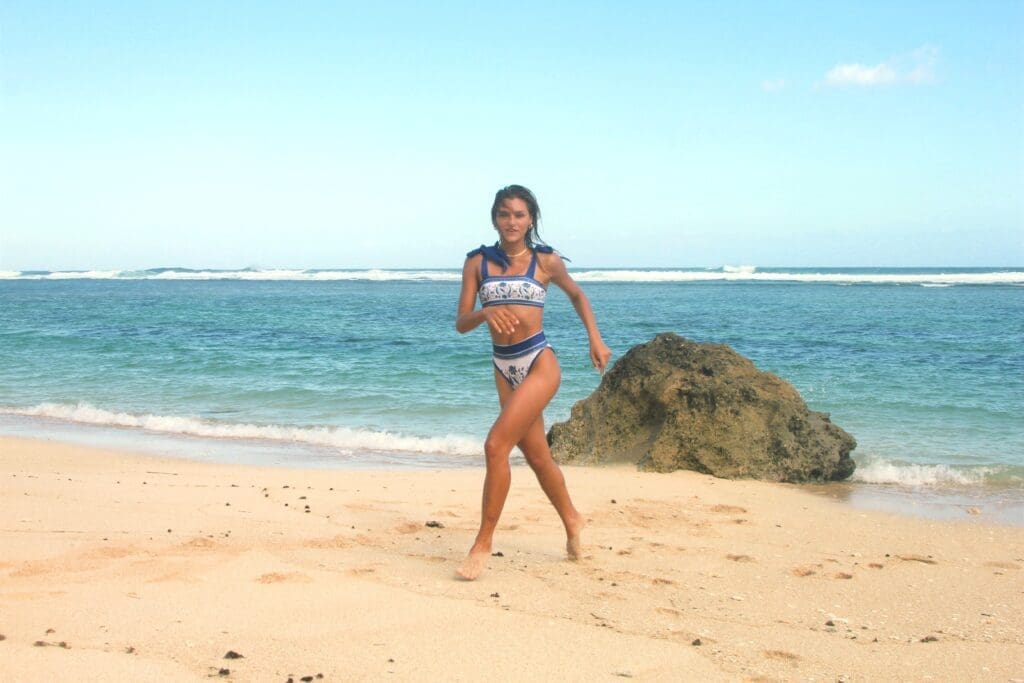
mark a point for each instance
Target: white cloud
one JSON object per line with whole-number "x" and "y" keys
{"x": 773, "y": 85}
{"x": 858, "y": 74}
{"x": 916, "y": 68}
{"x": 922, "y": 64}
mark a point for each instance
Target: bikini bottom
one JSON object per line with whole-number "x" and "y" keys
{"x": 515, "y": 361}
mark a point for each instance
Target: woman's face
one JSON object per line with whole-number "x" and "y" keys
{"x": 512, "y": 220}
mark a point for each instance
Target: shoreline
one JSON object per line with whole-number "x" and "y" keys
{"x": 993, "y": 504}
{"x": 155, "y": 568}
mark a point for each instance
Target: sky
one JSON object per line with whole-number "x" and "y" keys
{"x": 216, "y": 134}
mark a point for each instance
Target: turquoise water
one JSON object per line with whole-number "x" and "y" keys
{"x": 925, "y": 367}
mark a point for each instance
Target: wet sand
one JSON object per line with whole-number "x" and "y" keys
{"x": 117, "y": 566}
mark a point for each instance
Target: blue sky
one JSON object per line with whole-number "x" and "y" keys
{"x": 320, "y": 135}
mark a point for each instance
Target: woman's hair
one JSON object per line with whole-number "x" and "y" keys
{"x": 519, "y": 192}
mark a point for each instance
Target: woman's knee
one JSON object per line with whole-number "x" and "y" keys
{"x": 496, "y": 449}
{"x": 537, "y": 458}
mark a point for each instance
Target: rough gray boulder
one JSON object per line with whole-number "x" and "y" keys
{"x": 676, "y": 404}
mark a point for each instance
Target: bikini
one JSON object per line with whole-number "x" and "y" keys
{"x": 513, "y": 361}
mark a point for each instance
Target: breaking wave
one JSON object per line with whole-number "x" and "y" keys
{"x": 344, "y": 438}
{"x": 743, "y": 273}
{"x": 881, "y": 471}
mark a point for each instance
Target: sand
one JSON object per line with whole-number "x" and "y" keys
{"x": 119, "y": 566}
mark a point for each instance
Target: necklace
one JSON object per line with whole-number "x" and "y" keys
{"x": 512, "y": 256}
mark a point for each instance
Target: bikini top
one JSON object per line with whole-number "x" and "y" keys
{"x": 498, "y": 290}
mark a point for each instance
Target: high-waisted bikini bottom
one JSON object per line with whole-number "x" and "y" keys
{"x": 515, "y": 360}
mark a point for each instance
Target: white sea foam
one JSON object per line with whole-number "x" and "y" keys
{"x": 881, "y": 471}
{"x": 344, "y": 438}
{"x": 73, "y": 275}
{"x": 989, "y": 278}
{"x": 726, "y": 273}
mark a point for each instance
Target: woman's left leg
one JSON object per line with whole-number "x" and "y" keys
{"x": 534, "y": 446}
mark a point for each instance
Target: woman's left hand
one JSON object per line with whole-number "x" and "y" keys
{"x": 600, "y": 354}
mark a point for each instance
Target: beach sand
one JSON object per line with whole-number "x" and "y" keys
{"x": 117, "y": 566}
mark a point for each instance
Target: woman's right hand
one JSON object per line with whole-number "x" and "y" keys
{"x": 500, "y": 319}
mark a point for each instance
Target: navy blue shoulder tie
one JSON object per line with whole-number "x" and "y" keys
{"x": 498, "y": 255}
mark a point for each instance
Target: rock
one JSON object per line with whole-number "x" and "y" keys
{"x": 675, "y": 404}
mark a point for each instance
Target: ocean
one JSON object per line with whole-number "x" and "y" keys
{"x": 363, "y": 368}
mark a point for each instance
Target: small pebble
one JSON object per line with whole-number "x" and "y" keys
{"x": 696, "y": 641}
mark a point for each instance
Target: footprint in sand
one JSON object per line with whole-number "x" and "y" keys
{"x": 917, "y": 558}
{"x": 110, "y": 552}
{"x": 362, "y": 571}
{"x": 801, "y": 571}
{"x": 740, "y": 558}
{"x": 1002, "y": 565}
{"x": 729, "y": 509}
{"x": 782, "y": 655}
{"x": 278, "y": 577}
{"x": 326, "y": 543}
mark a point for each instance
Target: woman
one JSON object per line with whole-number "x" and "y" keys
{"x": 511, "y": 281}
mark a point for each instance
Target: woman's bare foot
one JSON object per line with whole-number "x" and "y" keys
{"x": 573, "y": 547}
{"x": 474, "y": 564}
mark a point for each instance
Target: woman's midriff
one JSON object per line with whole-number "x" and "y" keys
{"x": 531, "y": 321}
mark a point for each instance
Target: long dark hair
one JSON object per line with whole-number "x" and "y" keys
{"x": 519, "y": 192}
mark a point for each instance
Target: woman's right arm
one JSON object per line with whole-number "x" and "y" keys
{"x": 466, "y": 319}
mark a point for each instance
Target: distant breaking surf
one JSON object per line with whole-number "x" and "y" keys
{"x": 344, "y": 438}
{"x": 895, "y": 276}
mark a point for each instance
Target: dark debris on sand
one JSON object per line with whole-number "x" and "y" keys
{"x": 43, "y": 643}
{"x": 435, "y": 524}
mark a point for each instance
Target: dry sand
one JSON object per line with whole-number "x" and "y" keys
{"x": 118, "y": 566}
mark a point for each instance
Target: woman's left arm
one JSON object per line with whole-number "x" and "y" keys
{"x": 555, "y": 267}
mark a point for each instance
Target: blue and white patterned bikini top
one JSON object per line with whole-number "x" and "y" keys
{"x": 523, "y": 290}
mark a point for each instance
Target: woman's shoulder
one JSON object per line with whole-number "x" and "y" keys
{"x": 549, "y": 260}
{"x": 548, "y": 254}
